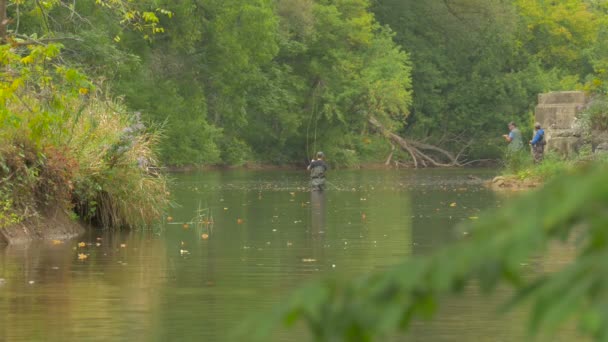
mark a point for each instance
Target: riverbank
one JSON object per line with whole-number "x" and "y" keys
{"x": 71, "y": 155}
{"x": 521, "y": 173}
{"x": 54, "y": 225}
{"x": 512, "y": 183}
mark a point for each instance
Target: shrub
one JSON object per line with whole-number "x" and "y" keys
{"x": 595, "y": 117}
{"x": 118, "y": 183}
{"x": 516, "y": 162}
{"x": 62, "y": 144}
{"x": 235, "y": 152}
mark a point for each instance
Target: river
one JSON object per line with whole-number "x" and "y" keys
{"x": 235, "y": 245}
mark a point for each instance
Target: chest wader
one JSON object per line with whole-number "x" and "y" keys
{"x": 317, "y": 175}
{"x": 538, "y": 150}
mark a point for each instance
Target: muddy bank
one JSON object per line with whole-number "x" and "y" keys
{"x": 56, "y": 225}
{"x": 512, "y": 184}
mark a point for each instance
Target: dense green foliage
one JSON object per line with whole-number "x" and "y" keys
{"x": 480, "y": 64}
{"x": 64, "y": 147}
{"x": 236, "y": 81}
{"x": 272, "y": 80}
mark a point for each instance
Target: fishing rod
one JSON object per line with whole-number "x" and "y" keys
{"x": 313, "y": 115}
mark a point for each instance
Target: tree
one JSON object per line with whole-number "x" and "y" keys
{"x": 480, "y": 64}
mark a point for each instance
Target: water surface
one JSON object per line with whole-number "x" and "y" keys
{"x": 236, "y": 245}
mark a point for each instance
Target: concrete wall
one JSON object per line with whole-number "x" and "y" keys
{"x": 556, "y": 112}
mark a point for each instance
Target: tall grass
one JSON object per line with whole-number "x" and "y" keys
{"x": 117, "y": 183}
{"x": 63, "y": 145}
{"x": 552, "y": 165}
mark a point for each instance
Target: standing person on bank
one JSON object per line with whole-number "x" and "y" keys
{"x": 317, "y": 168}
{"x": 538, "y": 143}
{"x": 514, "y": 138}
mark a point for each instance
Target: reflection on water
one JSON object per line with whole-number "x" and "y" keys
{"x": 317, "y": 205}
{"x": 270, "y": 235}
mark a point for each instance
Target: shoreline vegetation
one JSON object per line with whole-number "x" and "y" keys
{"x": 68, "y": 152}
{"x": 591, "y": 133}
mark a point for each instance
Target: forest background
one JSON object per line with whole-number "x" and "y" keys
{"x": 272, "y": 81}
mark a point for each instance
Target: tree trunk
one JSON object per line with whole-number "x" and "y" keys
{"x": 3, "y": 21}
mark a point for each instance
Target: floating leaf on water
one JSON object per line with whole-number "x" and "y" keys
{"x": 473, "y": 217}
{"x": 363, "y": 216}
{"x": 309, "y": 260}
{"x": 123, "y": 245}
{"x": 453, "y": 204}
{"x": 289, "y": 243}
{"x": 81, "y": 244}
{"x": 239, "y": 221}
{"x": 169, "y": 218}
{"x": 225, "y": 208}
{"x": 57, "y": 242}
{"x": 205, "y": 236}
{"x": 82, "y": 256}
{"x": 186, "y": 226}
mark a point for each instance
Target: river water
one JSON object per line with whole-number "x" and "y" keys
{"x": 235, "y": 245}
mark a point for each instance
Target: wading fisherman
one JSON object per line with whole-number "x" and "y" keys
{"x": 514, "y": 138}
{"x": 317, "y": 168}
{"x": 538, "y": 143}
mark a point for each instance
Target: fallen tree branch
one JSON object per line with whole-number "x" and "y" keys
{"x": 419, "y": 151}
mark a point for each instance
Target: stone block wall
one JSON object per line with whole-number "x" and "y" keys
{"x": 557, "y": 112}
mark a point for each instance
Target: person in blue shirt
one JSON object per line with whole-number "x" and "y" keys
{"x": 538, "y": 143}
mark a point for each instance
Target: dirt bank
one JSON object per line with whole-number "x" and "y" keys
{"x": 55, "y": 225}
{"x": 511, "y": 184}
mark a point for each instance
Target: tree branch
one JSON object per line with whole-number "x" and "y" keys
{"x": 415, "y": 148}
{"x": 43, "y": 41}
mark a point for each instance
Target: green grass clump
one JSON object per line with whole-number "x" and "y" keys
{"x": 551, "y": 166}
{"x": 64, "y": 146}
{"x": 117, "y": 183}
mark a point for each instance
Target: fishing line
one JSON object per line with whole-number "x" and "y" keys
{"x": 332, "y": 184}
{"x": 313, "y": 114}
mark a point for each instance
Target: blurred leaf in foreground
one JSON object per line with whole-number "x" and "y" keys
{"x": 573, "y": 207}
